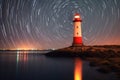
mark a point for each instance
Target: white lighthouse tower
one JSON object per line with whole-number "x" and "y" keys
{"x": 77, "y": 36}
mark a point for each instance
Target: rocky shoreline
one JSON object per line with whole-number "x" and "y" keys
{"x": 107, "y": 58}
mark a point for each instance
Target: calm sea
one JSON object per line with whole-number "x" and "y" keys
{"x": 26, "y": 66}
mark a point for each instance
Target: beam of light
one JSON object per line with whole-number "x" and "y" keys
{"x": 77, "y": 16}
{"x": 78, "y": 69}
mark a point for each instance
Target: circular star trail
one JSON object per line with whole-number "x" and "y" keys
{"x": 45, "y": 24}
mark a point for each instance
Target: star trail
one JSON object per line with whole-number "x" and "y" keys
{"x": 45, "y": 24}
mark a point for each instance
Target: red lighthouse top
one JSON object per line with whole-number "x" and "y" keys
{"x": 77, "y": 18}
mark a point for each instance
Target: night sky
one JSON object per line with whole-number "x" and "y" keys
{"x": 45, "y": 24}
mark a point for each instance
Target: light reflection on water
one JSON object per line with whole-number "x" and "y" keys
{"x": 78, "y": 69}
{"x": 25, "y": 66}
{"x": 22, "y": 56}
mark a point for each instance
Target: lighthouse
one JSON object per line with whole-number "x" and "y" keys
{"x": 77, "y": 35}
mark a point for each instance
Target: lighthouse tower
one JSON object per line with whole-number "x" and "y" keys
{"x": 77, "y": 36}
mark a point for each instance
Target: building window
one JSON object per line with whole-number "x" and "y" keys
{"x": 77, "y": 33}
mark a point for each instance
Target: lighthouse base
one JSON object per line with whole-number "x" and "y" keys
{"x": 77, "y": 45}
{"x": 77, "y": 42}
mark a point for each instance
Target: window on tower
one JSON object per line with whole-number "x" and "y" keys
{"x": 77, "y": 33}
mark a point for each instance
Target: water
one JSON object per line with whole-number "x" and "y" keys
{"x": 25, "y": 66}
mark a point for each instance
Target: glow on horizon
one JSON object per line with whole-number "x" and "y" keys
{"x": 26, "y": 49}
{"x": 20, "y": 49}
